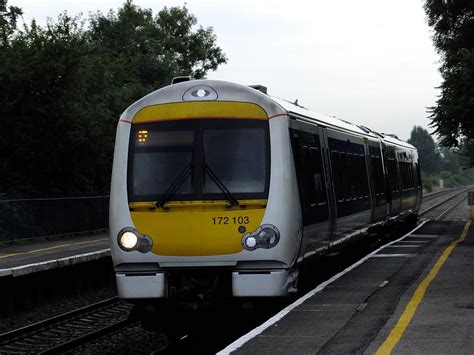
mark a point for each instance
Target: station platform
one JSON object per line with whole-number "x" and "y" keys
{"x": 22, "y": 259}
{"x": 413, "y": 296}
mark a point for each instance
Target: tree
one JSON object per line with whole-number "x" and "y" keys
{"x": 453, "y": 24}
{"x": 8, "y": 19}
{"x": 427, "y": 149}
{"x": 155, "y": 48}
{"x": 451, "y": 160}
{"x": 466, "y": 150}
{"x": 63, "y": 87}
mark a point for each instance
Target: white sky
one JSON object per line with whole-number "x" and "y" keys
{"x": 370, "y": 62}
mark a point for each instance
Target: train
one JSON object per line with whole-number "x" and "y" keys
{"x": 221, "y": 188}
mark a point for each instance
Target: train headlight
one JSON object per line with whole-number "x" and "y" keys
{"x": 129, "y": 239}
{"x": 250, "y": 242}
{"x": 266, "y": 236}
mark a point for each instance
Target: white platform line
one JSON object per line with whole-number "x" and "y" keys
{"x": 404, "y": 246}
{"x": 253, "y": 333}
{"x": 425, "y": 236}
{"x": 393, "y": 255}
{"x": 53, "y": 264}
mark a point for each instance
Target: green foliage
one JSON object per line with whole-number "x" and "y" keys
{"x": 427, "y": 149}
{"x": 8, "y": 20}
{"x": 443, "y": 163}
{"x": 461, "y": 178}
{"x": 63, "y": 87}
{"x": 453, "y": 24}
{"x": 466, "y": 149}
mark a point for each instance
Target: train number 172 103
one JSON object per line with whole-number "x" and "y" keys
{"x": 231, "y": 220}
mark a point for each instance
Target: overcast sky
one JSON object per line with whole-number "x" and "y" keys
{"x": 370, "y": 62}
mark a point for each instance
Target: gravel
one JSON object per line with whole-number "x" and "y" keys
{"x": 44, "y": 311}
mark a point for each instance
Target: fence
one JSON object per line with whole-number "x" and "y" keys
{"x": 41, "y": 217}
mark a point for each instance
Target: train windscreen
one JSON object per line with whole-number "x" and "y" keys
{"x": 199, "y": 160}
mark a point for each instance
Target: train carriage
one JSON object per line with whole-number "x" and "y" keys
{"x": 217, "y": 180}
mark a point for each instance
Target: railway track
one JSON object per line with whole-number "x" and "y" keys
{"x": 457, "y": 202}
{"x": 67, "y": 331}
{"x": 435, "y": 195}
{"x": 453, "y": 198}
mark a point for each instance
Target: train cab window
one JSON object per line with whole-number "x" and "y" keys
{"x": 160, "y": 157}
{"x": 237, "y": 158}
{"x": 205, "y": 159}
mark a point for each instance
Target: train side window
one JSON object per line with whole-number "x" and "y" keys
{"x": 396, "y": 184}
{"x": 318, "y": 175}
{"x": 389, "y": 173}
{"x": 410, "y": 175}
{"x": 351, "y": 176}
{"x": 309, "y": 192}
{"x": 394, "y": 175}
{"x": 381, "y": 176}
{"x": 404, "y": 175}
{"x": 363, "y": 174}
{"x": 337, "y": 175}
{"x": 313, "y": 183}
{"x": 345, "y": 177}
{"x": 418, "y": 175}
{"x": 361, "y": 178}
{"x": 375, "y": 174}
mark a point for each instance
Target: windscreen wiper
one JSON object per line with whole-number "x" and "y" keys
{"x": 176, "y": 185}
{"x": 232, "y": 200}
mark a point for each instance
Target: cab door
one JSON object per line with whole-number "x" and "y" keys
{"x": 307, "y": 148}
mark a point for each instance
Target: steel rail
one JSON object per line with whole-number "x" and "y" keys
{"x": 56, "y": 319}
{"x": 431, "y": 195}
{"x": 68, "y": 345}
{"x": 18, "y": 336}
{"x": 450, "y": 209}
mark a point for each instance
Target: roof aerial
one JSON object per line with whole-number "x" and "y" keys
{"x": 259, "y": 87}
{"x": 390, "y": 135}
{"x": 180, "y": 79}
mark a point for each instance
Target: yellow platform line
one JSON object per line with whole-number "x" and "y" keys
{"x": 410, "y": 309}
{"x": 51, "y": 248}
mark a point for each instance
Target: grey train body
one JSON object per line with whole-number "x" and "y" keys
{"x": 329, "y": 182}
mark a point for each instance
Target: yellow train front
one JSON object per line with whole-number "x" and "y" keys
{"x": 200, "y": 199}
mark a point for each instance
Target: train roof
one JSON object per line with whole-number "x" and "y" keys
{"x": 335, "y": 122}
{"x": 258, "y": 94}
{"x": 328, "y": 121}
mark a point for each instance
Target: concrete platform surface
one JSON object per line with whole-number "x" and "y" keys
{"x": 17, "y": 260}
{"x": 401, "y": 299}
